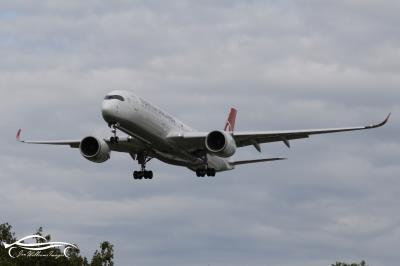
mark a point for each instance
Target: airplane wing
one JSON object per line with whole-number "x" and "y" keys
{"x": 125, "y": 144}
{"x": 196, "y": 140}
{"x": 253, "y": 138}
{"x": 256, "y": 161}
{"x": 72, "y": 143}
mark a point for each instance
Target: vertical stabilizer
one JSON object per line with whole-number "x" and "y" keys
{"x": 230, "y": 122}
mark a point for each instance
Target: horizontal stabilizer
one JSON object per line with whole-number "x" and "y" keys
{"x": 257, "y": 161}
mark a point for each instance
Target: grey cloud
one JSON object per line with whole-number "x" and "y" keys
{"x": 284, "y": 65}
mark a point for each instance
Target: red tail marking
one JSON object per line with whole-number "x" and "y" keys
{"x": 230, "y": 122}
{"x": 18, "y": 134}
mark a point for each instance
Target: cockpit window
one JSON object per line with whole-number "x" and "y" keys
{"x": 117, "y": 97}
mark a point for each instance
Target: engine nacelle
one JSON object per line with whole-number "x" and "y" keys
{"x": 221, "y": 144}
{"x": 94, "y": 149}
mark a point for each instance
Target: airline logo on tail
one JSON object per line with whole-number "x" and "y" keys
{"x": 230, "y": 122}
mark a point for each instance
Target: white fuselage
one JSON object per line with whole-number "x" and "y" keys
{"x": 151, "y": 126}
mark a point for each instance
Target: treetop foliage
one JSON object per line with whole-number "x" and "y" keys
{"x": 104, "y": 257}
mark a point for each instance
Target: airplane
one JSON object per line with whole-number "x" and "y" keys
{"x": 153, "y": 133}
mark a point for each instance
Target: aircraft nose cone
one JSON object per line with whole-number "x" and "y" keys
{"x": 109, "y": 110}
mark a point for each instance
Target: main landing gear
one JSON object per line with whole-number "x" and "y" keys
{"x": 142, "y": 160}
{"x": 143, "y": 174}
{"x": 201, "y": 172}
{"x": 204, "y": 172}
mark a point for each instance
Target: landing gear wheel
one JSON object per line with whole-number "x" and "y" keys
{"x": 138, "y": 175}
{"x": 201, "y": 172}
{"x": 143, "y": 174}
{"x": 210, "y": 172}
{"x": 114, "y": 140}
{"x": 204, "y": 172}
{"x": 148, "y": 174}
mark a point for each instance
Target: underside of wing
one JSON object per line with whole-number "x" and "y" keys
{"x": 189, "y": 141}
{"x": 255, "y": 138}
{"x": 257, "y": 161}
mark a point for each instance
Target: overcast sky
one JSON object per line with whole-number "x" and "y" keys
{"x": 282, "y": 64}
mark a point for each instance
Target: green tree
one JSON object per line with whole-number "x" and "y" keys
{"x": 102, "y": 258}
{"x": 6, "y": 236}
{"x": 362, "y": 263}
{"x": 105, "y": 256}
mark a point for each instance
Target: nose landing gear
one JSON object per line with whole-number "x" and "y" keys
{"x": 114, "y": 139}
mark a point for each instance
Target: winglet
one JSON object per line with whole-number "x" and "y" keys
{"x": 230, "y": 122}
{"x": 18, "y": 136}
{"x": 380, "y": 124}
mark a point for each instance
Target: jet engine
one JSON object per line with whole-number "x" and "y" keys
{"x": 94, "y": 149}
{"x": 220, "y": 143}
